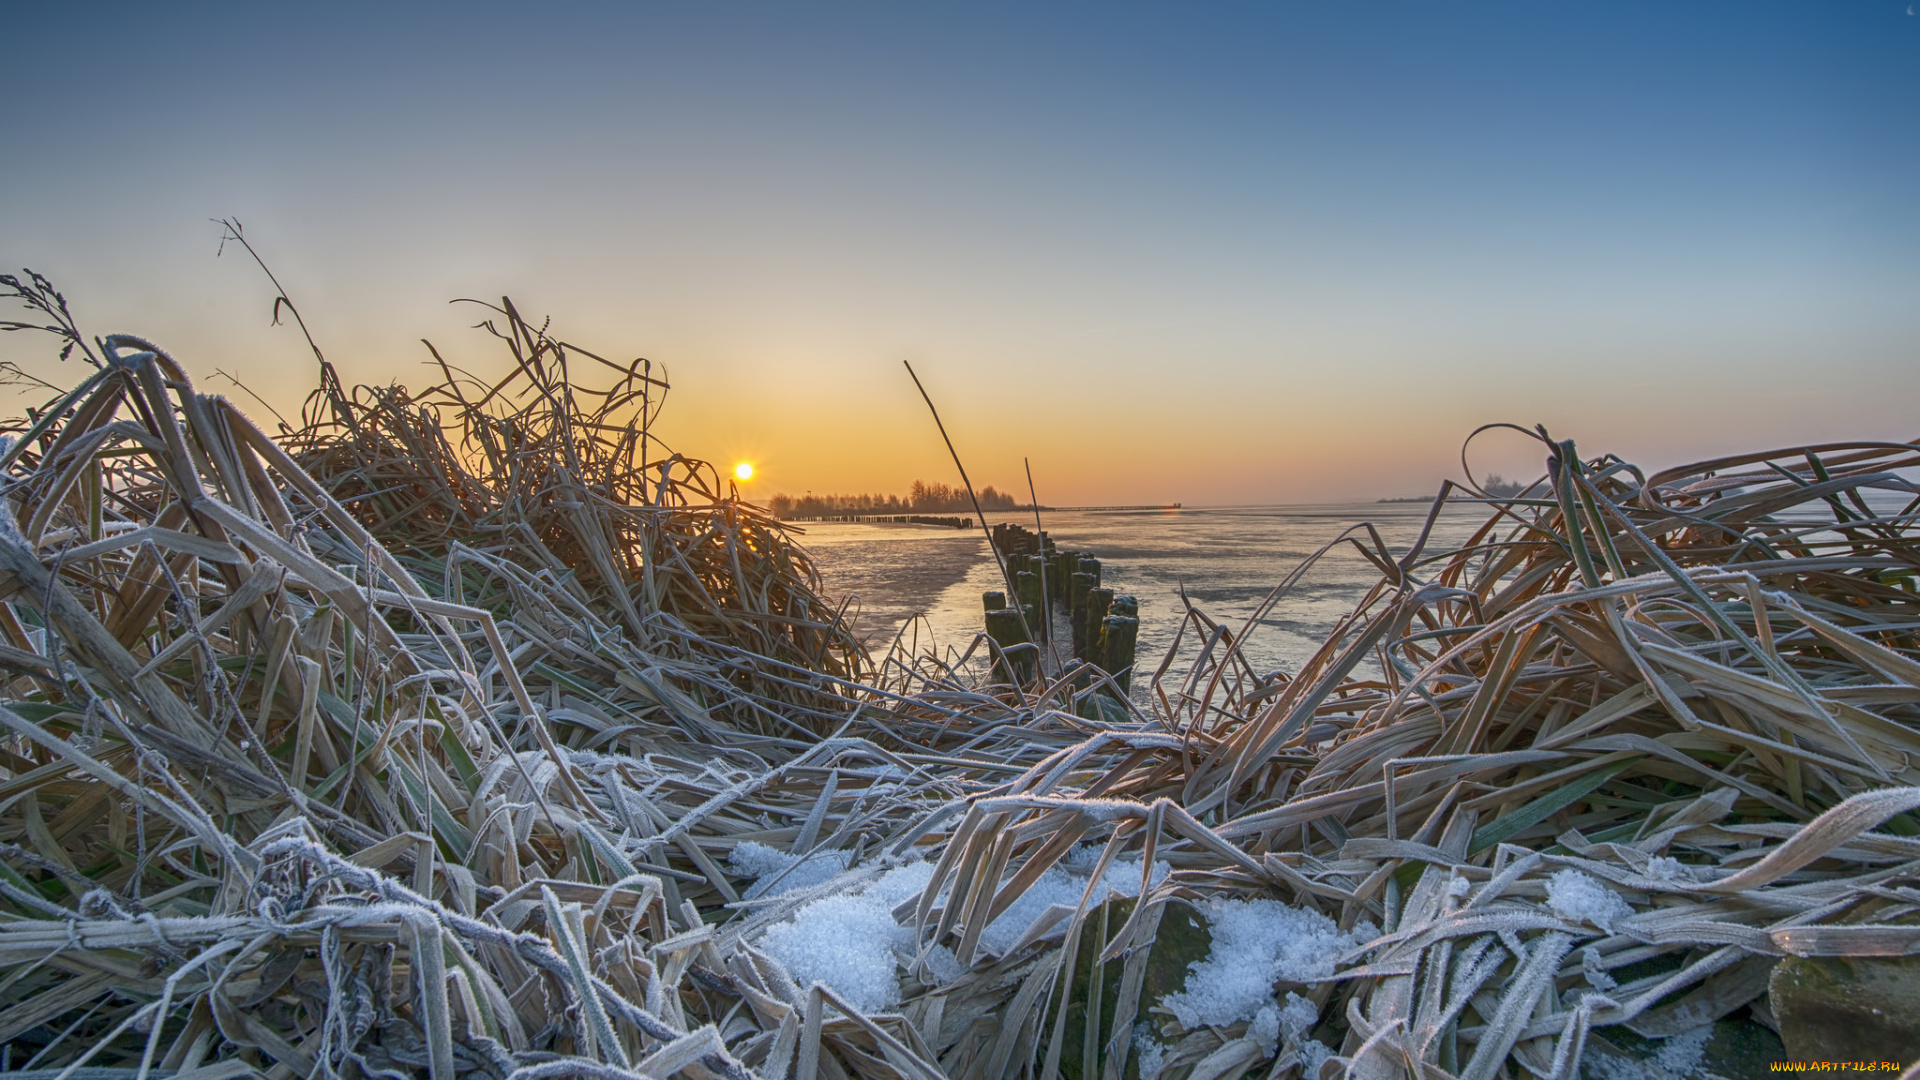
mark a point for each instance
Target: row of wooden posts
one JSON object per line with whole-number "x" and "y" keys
{"x": 1105, "y": 626}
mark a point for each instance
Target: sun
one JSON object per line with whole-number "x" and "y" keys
{"x": 743, "y": 471}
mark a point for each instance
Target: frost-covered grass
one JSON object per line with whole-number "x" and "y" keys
{"x": 411, "y": 741}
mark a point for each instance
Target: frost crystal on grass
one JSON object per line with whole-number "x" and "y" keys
{"x": 1255, "y": 944}
{"x": 1576, "y": 896}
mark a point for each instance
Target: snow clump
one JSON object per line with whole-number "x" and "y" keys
{"x": 1668, "y": 868}
{"x": 1576, "y": 896}
{"x": 1264, "y": 1028}
{"x": 1153, "y": 1056}
{"x": 1255, "y": 944}
{"x": 1678, "y": 1058}
{"x": 1065, "y": 887}
{"x": 1313, "y": 1054}
{"x": 1297, "y": 1017}
{"x": 775, "y": 871}
{"x": 848, "y": 941}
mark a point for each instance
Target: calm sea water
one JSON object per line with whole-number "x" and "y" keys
{"x": 926, "y": 582}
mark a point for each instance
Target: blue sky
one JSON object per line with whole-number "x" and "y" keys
{"x": 1209, "y": 253}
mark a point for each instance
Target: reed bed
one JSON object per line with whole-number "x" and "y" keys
{"x": 472, "y": 733}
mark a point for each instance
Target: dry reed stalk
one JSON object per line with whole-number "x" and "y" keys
{"x": 416, "y": 743}
{"x": 1699, "y": 688}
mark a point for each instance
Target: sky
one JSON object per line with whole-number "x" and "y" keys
{"x": 1218, "y": 253}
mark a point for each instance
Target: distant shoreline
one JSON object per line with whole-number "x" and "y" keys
{"x": 964, "y": 520}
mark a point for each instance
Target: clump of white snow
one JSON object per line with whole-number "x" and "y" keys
{"x": 1064, "y": 884}
{"x": 751, "y": 858}
{"x": 1297, "y": 1017}
{"x": 1286, "y": 1022}
{"x": 1313, "y": 1054}
{"x": 1677, "y": 1058}
{"x": 1153, "y": 1056}
{"x": 944, "y": 965}
{"x": 1265, "y": 1027}
{"x": 849, "y": 941}
{"x": 1597, "y": 976}
{"x": 775, "y": 871}
{"x": 1682, "y": 1054}
{"x": 1580, "y": 897}
{"x": 1255, "y": 944}
{"x": 1668, "y": 868}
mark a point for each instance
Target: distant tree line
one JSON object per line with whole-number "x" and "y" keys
{"x": 922, "y": 498}
{"x": 1501, "y": 488}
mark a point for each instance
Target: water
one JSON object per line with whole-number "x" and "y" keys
{"x": 1225, "y": 560}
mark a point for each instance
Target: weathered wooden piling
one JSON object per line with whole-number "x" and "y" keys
{"x": 1060, "y": 569}
{"x": 1098, "y": 601}
{"x": 1077, "y": 610}
{"x": 1013, "y": 649}
{"x": 1027, "y": 587}
{"x": 1045, "y": 578}
{"x": 1121, "y": 632}
{"x": 1010, "y": 539}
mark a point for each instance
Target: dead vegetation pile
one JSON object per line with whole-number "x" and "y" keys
{"x": 540, "y": 481}
{"x": 470, "y": 733}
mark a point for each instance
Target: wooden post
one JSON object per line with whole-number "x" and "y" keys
{"x": 994, "y": 599}
{"x": 1122, "y": 632}
{"x": 1060, "y": 573}
{"x": 1027, "y": 585}
{"x": 1098, "y": 601}
{"x": 1077, "y": 611}
{"x": 1003, "y": 626}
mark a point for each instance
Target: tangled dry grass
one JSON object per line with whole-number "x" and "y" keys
{"x": 418, "y": 741}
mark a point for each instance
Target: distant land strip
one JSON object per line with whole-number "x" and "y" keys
{"x": 957, "y": 522}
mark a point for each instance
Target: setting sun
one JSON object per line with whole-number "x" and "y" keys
{"x": 743, "y": 471}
